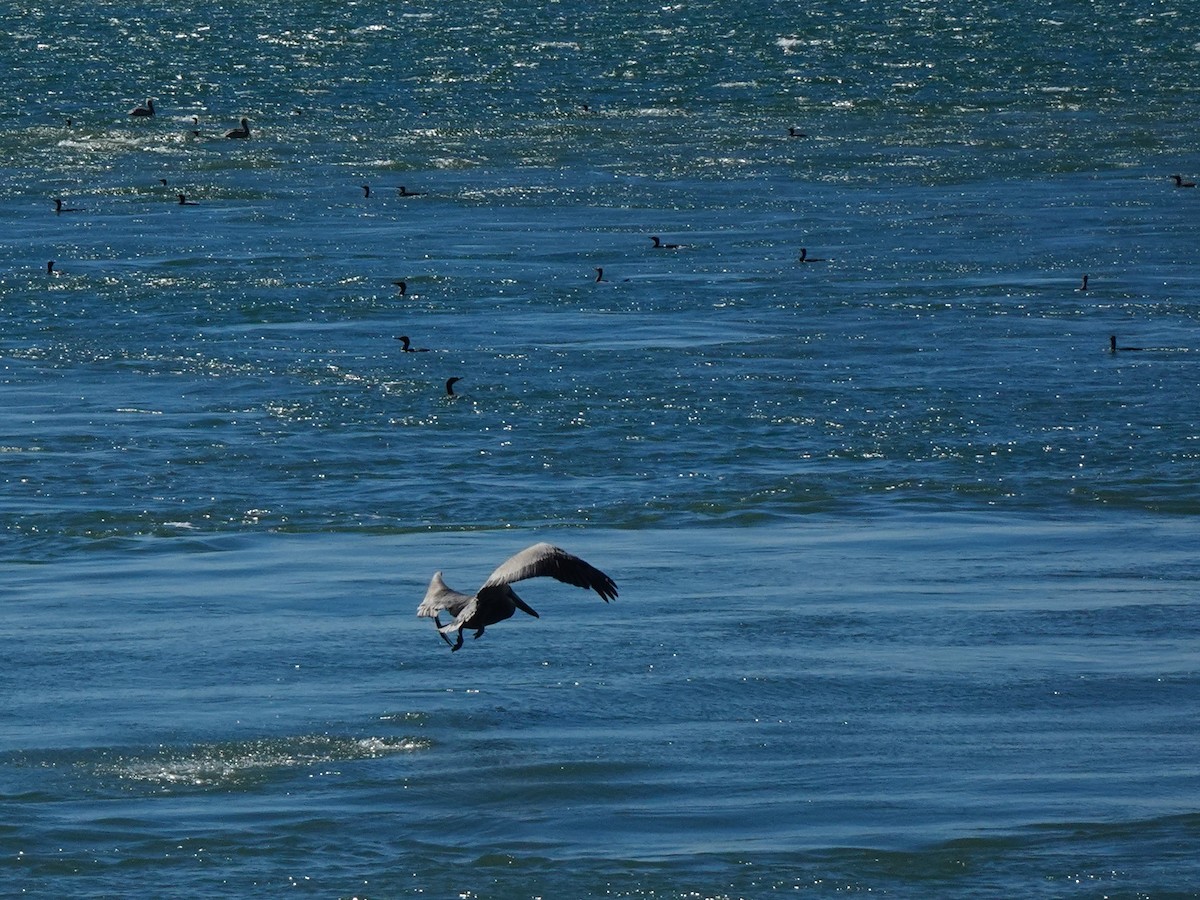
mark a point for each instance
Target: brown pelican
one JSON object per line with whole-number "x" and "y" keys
{"x": 242, "y": 132}
{"x": 496, "y": 601}
{"x": 141, "y": 111}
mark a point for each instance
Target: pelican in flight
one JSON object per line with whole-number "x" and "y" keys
{"x": 496, "y": 601}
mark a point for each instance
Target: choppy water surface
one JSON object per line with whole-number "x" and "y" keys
{"x": 906, "y": 555}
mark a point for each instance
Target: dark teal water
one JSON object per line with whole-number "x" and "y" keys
{"x": 906, "y": 555}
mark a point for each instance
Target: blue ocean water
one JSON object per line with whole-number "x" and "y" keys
{"x": 906, "y": 554}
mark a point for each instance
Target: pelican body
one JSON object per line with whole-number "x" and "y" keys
{"x": 497, "y": 601}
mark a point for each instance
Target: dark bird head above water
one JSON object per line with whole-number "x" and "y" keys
{"x": 659, "y": 245}
{"x": 184, "y": 201}
{"x": 792, "y": 132}
{"x": 50, "y": 267}
{"x": 366, "y": 190}
{"x": 59, "y": 208}
{"x": 805, "y": 258}
{"x": 1179, "y": 182}
{"x": 450, "y": 382}
{"x": 143, "y": 111}
{"x": 497, "y": 601}
{"x": 402, "y": 191}
{"x": 403, "y": 287}
{"x": 599, "y": 274}
{"x": 1084, "y": 286}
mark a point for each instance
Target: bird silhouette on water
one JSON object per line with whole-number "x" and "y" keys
{"x": 408, "y": 347}
{"x": 242, "y": 131}
{"x": 1180, "y": 183}
{"x": 497, "y": 601}
{"x": 450, "y": 382}
{"x": 1113, "y": 348}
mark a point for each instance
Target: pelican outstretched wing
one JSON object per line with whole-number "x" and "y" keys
{"x": 438, "y": 597}
{"x": 554, "y": 562}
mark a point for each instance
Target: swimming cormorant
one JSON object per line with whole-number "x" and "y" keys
{"x": 1113, "y": 348}
{"x": 143, "y": 111}
{"x": 409, "y": 348}
{"x": 241, "y": 132}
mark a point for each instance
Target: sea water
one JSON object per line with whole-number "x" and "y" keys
{"x": 906, "y": 555}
